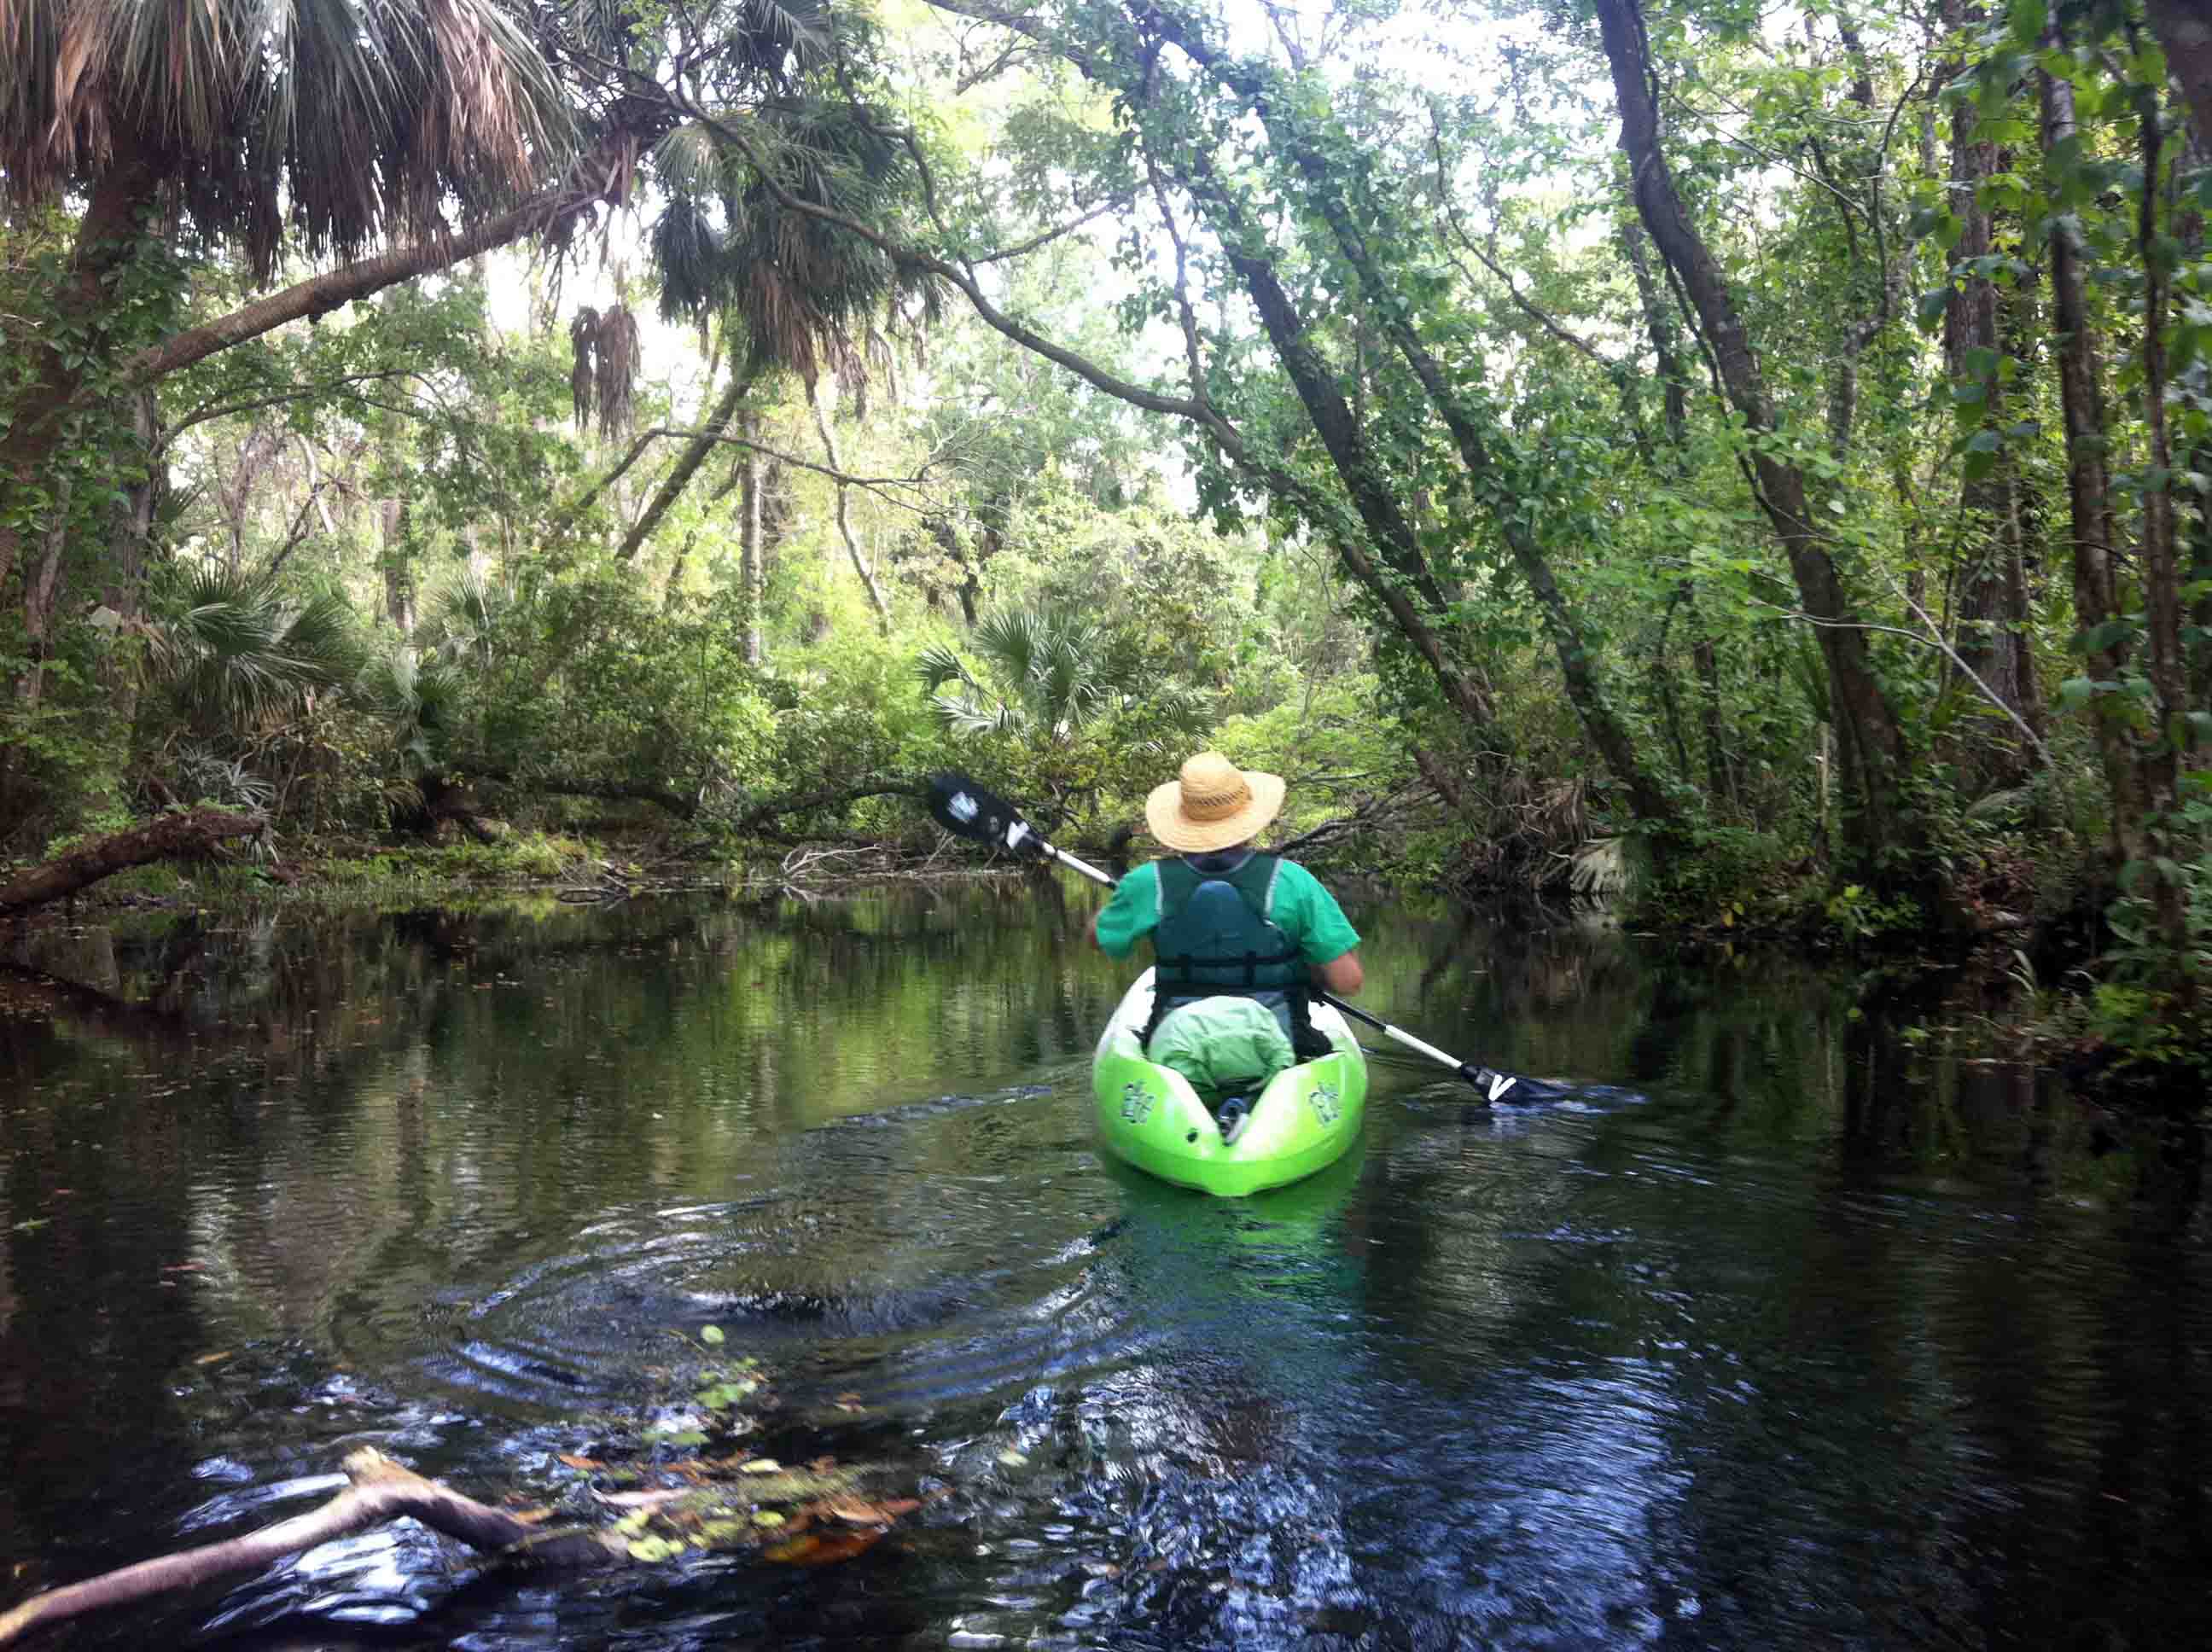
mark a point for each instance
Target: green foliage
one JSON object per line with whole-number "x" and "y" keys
{"x": 1462, "y": 501}
{"x": 240, "y": 652}
{"x": 1858, "y": 914}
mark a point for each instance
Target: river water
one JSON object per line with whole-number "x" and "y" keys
{"x": 1774, "y": 1325}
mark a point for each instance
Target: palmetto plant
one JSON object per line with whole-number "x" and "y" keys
{"x": 1040, "y": 670}
{"x": 418, "y": 696}
{"x": 461, "y": 619}
{"x": 240, "y": 654}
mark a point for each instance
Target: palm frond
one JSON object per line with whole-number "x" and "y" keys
{"x": 964, "y": 714}
{"x": 1012, "y": 639}
{"x": 241, "y": 653}
{"x": 939, "y": 666}
{"x": 340, "y": 121}
{"x": 1606, "y": 867}
{"x": 462, "y": 613}
{"x": 417, "y": 696}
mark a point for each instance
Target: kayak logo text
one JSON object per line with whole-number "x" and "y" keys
{"x": 1325, "y": 1107}
{"x": 1136, "y": 1103}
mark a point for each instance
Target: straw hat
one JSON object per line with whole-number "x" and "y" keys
{"x": 1214, "y": 806}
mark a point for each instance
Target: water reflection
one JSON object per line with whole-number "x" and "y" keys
{"x": 1775, "y": 1329}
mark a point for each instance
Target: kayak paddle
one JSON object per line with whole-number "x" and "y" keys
{"x": 967, "y": 810}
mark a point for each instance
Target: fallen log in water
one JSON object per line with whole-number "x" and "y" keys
{"x": 189, "y": 835}
{"x": 380, "y": 1490}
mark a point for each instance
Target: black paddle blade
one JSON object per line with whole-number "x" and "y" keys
{"x": 966, "y": 810}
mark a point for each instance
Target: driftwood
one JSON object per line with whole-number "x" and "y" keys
{"x": 192, "y": 836}
{"x": 380, "y": 1490}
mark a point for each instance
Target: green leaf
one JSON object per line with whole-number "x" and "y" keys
{"x": 711, "y": 1335}
{"x": 2076, "y": 692}
{"x": 2104, "y": 635}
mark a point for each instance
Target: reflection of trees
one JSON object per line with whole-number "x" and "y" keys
{"x": 1826, "y": 1314}
{"x": 379, "y": 1107}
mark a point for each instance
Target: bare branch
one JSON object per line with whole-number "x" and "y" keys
{"x": 1045, "y": 238}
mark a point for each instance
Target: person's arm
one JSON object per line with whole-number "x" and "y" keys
{"x": 1130, "y": 914}
{"x": 1342, "y": 974}
{"x": 1326, "y": 936}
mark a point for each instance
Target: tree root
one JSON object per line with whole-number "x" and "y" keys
{"x": 380, "y": 1490}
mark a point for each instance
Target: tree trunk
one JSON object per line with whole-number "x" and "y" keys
{"x": 2094, "y": 529}
{"x": 185, "y": 836}
{"x": 1345, "y": 441}
{"x": 2184, "y": 28}
{"x": 2159, "y": 762}
{"x": 601, "y": 176}
{"x": 844, "y": 521}
{"x": 1648, "y": 796}
{"x": 1868, "y": 729}
{"x": 554, "y": 786}
{"x": 687, "y": 463}
{"x": 38, "y": 474}
{"x": 1388, "y": 527}
{"x": 750, "y": 506}
{"x": 1991, "y": 636}
{"x": 398, "y": 575}
{"x": 1659, "y": 322}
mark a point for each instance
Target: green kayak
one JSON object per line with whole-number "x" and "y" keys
{"x": 1150, "y": 1117}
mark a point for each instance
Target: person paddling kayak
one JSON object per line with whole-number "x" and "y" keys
{"x": 1240, "y": 937}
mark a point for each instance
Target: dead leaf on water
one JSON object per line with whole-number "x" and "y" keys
{"x": 587, "y": 1464}
{"x": 213, "y": 1359}
{"x": 824, "y": 1548}
{"x": 857, "y": 1511}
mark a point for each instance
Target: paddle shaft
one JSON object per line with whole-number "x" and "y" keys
{"x": 1073, "y": 865}
{"x": 1492, "y": 1084}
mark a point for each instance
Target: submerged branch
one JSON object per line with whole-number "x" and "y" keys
{"x": 380, "y": 1491}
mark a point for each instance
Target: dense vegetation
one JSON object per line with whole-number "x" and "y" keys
{"x": 1758, "y": 460}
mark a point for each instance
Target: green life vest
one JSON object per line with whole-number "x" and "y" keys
{"x": 1214, "y": 938}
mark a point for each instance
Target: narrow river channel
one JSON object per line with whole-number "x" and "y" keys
{"x": 1774, "y": 1327}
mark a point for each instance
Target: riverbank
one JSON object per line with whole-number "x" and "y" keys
{"x": 2009, "y": 984}
{"x": 564, "y": 866}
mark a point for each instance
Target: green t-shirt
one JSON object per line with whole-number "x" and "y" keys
{"x": 1298, "y": 905}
